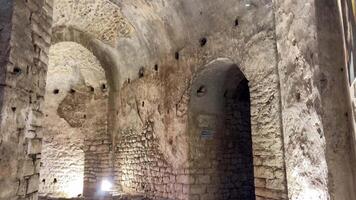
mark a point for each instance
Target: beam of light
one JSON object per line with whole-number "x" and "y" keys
{"x": 248, "y": 3}
{"x": 74, "y": 189}
{"x": 106, "y": 185}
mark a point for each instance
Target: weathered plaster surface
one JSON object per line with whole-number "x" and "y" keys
{"x": 100, "y": 18}
{"x": 151, "y": 52}
{"x": 304, "y": 139}
{"x": 23, "y": 71}
{"x": 316, "y": 132}
{"x": 252, "y": 49}
{"x": 75, "y": 115}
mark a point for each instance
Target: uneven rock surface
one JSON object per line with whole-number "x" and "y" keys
{"x": 174, "y": 99}
{"x": 75, "y": 121}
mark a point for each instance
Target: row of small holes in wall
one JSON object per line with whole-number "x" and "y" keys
{"x": 203, "y": 41}
{"x": 54, "y": 180}
{"x": 202, "y": 90}
{"x": 141, "y": 72}
{"x": 72, "y": 91}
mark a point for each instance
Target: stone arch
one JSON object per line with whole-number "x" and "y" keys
{"x": 103, "y": 53}
{"x": 97, "y": 149}
{"x": 224, "y": 140}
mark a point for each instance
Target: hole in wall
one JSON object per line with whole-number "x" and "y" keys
{"x": 203, "y": 41}
{"x": 156, "y": 67}
{"x": 55, "y": 180}
{"x": 84, "y": 116}
{"x": 91, "y": 88}
{"x": 237, "y": 22}
{"x": 225, "y": 93}
{"x": 55, "y": 91}
{"x": 298, "y": 96}
{"x": 72, "y": 91}
{"x": 13, "y": 109}
{"x": 103, "y": 87}
{"x": 170, "y": 141}
{"x": 176, "y": 55}
{"x": 43, "y": 180}
{"x": 201, "y": 91}
{"x": 143, "y": 104}
{"x": 128, "y": 80}
{"x": 294, "y": 42}
{"x": 17, "y": 71}
{"x": 141, "y": 72}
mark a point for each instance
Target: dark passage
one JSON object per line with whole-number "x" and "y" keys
{"x": 236, "y": 171}
{"x": 221, "y": 142}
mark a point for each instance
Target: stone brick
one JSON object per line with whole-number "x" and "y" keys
{"x": 33, "y": 184}
{"x": 34, "y": 146}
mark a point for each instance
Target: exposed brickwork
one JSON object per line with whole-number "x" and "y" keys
{"x": 142, "y": 169}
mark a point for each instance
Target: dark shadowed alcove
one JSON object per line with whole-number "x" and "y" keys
{"x": 220, "y": 134}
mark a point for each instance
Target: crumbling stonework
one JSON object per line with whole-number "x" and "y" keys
{"x": 101, "y": 18}
{"x": 75, "y": 152}
{"x": 160, "y": 125}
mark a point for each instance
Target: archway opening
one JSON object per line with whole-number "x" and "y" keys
{"x": 220, "y": 134}
{"x": 76, "y": 143}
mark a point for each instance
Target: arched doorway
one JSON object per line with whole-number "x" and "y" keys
{"x": 76, "y": 145}
{"x": 220, "y": 134}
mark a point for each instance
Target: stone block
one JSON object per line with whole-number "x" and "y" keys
{"x": 28, "y": 167}
{"x": 203, "y": 179}
{"x": 198, "y": 189}
{"x": 34, "y": 146}
{"x": 33, "y": 184}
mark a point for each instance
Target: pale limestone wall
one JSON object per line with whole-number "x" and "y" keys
{"x": 315, "y": 106}
{"x": 282, "y": 47}
{"x": 166, "y": 95}
{"x": 76, "y": 142}
{"x": 22, "y": 90}
{"x": 100, "y": 18}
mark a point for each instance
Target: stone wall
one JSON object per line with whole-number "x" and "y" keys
{"x": 152, "y": 54}
{"x": 336, "y": 117}
{"x": 317, "y": 132}
{"x": 22, "y": 94}
{"x": 142, "y": 170}
{"x": 76, "y": 143}
{"x": 153, "y": 73}
{"x": 220, "y": 135}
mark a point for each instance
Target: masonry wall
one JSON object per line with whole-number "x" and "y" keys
{"x": 220, "y": 134}
{"x": 165, "y": 91}
{"x": 278, "y": 45}
{"x": 315, "y": 111}
{"x": 22, "y": 96}
{"x": 76, "y": 146}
